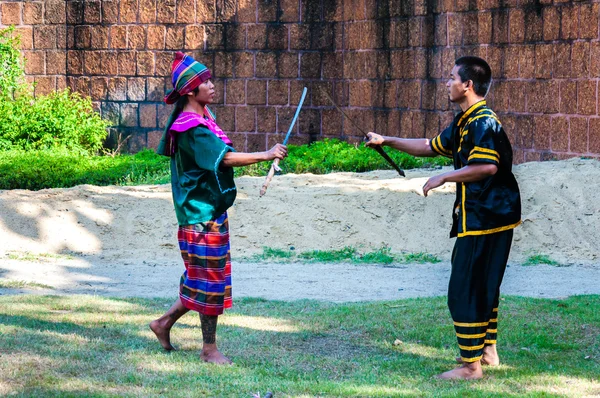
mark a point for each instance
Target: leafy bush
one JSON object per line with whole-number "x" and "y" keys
{"x": 537, "y": 259}
{"x": 12, "y": 69}
{"x": 58, "y": 120}
{"x": 332, "y": 155}
{"x": 59, "y": 168}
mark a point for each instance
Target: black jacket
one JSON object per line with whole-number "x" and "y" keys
{"x": 494, "y": 203}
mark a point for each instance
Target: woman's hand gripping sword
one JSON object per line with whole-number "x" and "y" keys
{"x": 275, "y": 164}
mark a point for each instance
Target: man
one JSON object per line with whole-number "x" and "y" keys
{"x": 487, "y": 208}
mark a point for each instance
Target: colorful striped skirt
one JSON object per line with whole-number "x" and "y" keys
{"x": 205, "y": 285}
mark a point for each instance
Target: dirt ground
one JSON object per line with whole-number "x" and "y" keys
{"x": 121, "y": 241}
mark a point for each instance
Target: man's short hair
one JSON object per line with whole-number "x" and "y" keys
{"x": 476, "y": 70}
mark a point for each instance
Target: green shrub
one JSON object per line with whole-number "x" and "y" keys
{"x": 420, "y": 258}
{"x": 59, "y": 168}
{"x": 383, "y": 255}
{"x": 333, "y": 155}
{"x": 59, "y": 120}
{"x": 537, "y": 259}
{"x": 345, "y": 254}
{"x": 12, "y": 69}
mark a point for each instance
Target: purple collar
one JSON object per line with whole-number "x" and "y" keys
{"x": 190, "y": 120}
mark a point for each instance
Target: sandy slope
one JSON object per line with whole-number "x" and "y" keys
{"x": 117, "y": 235}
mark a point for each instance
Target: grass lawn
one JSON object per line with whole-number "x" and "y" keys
{"x": 94, "y": 346}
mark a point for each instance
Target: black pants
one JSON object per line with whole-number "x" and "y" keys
{"x": 478, "y": 265}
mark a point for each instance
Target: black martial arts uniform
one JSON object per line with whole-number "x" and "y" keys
{"x": 485, "y": 213}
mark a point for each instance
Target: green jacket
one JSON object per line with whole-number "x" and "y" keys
{"x": 203, "y": 189}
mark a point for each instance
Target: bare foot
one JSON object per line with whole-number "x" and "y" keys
{"x": 465, "y": 372}
{"x": 163, "y": 335}
{"x": 490, "y": 356}
{"x": 484, "y": 360}
{"x": 214, "y": 356}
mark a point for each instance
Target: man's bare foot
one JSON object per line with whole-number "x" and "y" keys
{"x": 490, "y": 356}
{"x": 468, "y": 371}
{"x": 212, "y": 355}
{"x": 163, "y": 334}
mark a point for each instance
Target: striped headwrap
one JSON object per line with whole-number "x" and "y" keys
{"x": 186, "y": 75}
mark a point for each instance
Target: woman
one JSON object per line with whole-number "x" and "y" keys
{"x": 202, "y": 161}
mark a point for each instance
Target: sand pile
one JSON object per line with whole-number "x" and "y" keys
{"x": 561, "y": 214}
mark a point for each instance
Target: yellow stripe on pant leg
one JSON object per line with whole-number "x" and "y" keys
{"x": 469, "y": 360}
{"x": 470, "y": 348}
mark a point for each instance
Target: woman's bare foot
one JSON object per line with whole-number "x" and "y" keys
{"x": 162, "y": 326}
{"x": 211, "y": 354}
{"x": 490, "y": 356}
{"x": 468, "y": 371}
{"x": 163, "y": 334}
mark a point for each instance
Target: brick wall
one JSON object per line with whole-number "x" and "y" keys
{"x": 386, "y": 61}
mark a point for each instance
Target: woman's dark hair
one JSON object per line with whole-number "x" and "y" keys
{"x": 183, "y": 100}
{"x": 476, "y": 70}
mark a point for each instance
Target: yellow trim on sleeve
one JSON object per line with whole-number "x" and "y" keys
{"x": 435, "y": 145}
{"x": 489, "y": 231}
{"x": 489, "y": 342}
{"x": 492, "y": 331}
{"x": 439, "y": 148}
{"x": 482, "y": 149}
{"x": 442, "y": 148}
{"x": 495, "y": 309}
{"x": 494, "y": 320}
{"x": 480, "y": 156}
{"x": 471, "y": 325}
{"x": 470, "y": 348}
{"x": 470, "y": 336}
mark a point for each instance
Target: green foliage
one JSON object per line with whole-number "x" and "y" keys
{"x": 349, "y": 254}
{"x": 333, "y": 155}
{"x": 59, "y": 168}
{"x": 537, "y": 259}
{"x": 12, "y": 69}
{"x": 420, "y": 258}
{"x": 59, "y": 120}
{"x": 383, "y": 255}
{"x": 271, "y": 253}
{"x": 345, "y": 254}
